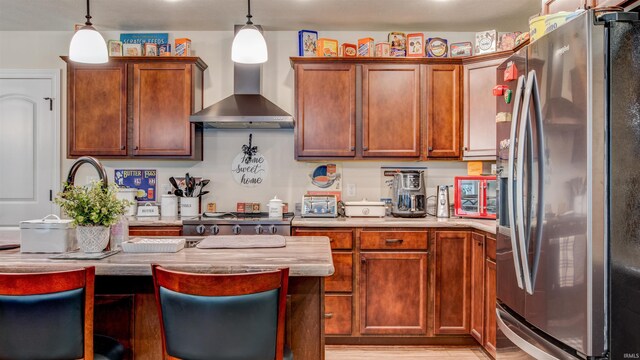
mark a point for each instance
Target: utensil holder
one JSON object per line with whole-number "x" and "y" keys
{"x": 189, "y": 206}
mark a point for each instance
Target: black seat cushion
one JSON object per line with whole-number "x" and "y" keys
{"x": 220, "y": 327}
{"x": 107, "y": 348}
{"x": 42, "y": 327}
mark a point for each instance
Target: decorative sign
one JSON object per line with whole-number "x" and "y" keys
{"x": 139, "y": 38}
{"x": 143, "y": 180}
{"x": 249, "y": 167}
{"x": 326, "y": 176}
{"x": 249, "y": 171}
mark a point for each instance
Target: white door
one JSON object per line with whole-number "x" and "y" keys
{"x": 28, "y": 146}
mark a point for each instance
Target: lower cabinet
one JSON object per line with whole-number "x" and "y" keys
{"x": 490, "y": 297}
{"x": 337, "y": 314}
{"x": 390, "y": 306}
{"x": 477, "y": 286}
{"x": 452, "y": 283}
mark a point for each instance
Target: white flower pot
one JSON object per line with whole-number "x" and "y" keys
{"x": 92, "y": 238}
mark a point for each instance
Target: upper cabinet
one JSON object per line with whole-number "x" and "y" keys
{"x": 480, "y": 110}
{"x": 135, "y": 107}
{"x": 390, "y": 110}
{"x": 443, "y": 97}
{"x": 325, "y": 110}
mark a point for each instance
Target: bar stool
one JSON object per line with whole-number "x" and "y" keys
{"x": 49, "y": 316}
{"x": 222, "y": 316}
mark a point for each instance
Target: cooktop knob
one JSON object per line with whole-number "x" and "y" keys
{"x": 200, "y": 229}
{"x": 259, "y": 229}
{"x": 236, "y": 229}
{"x": 215, "y": 229}
{"x": 273, "y": 229}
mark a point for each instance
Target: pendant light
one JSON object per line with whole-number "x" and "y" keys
{"x": 249, "y": 46}
{"x": 87, "y": 45}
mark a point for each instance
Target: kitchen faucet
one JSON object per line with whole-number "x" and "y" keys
{"x": 87, "y": 160}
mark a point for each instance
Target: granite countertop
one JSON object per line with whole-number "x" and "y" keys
{"x": 304, "y": 255}
{"x": 429, "y": 222}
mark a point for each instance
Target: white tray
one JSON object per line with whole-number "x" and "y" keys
{"x": 143, "y": 245}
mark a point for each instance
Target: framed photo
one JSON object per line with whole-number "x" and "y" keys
{"x": 150, "y": 49}
{"x": 437, "y": 47}
{"x": 307, "y": 43}
{"x": 415, "y": 45}
{"x": 461, "y": 49}
{"x": 486, "y": 42}
{"x": 132, "y": 49}
{"x": 115, "y": 48}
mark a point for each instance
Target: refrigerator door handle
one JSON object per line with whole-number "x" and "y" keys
{"x": 510, "y": 180}
{"x": 525, "y": 339}
{"x": 541, "y": 177}
{"x": 519, "y": 203}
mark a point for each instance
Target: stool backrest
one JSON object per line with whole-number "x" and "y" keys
{"x": 222, "y": 316}
{"x": 47, "y": 316}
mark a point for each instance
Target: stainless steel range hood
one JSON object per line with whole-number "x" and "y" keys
{"x": 246, "y": 108}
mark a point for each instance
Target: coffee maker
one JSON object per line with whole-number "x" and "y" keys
{"x": 409, "y": 195}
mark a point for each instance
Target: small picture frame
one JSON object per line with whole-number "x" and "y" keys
{"x": 486, "y": 42}
{"x": 461, "y": 49}
{"x": 115, "y": 47}
{"x": 307, "y": 43}
{"x": 415, "y": 45}
{"x": 150, "y": 49}
{"x": 132, "y": 49}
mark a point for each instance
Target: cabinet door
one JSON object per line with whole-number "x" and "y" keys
{"x": 161, "y": 107}
{"x": 325, "y": 110}
{"x": 480, "y": 110}
{"x": 443, "y": 97}
{"x": 97, "y": 110}
{"x": 477, "y": 286}
{"x": 390, "y": 110}
{"x": 490, "y": 307}
{"x": 337, "y": 314}
{"x": 554, "y": 6}
{"x": 389, "y": 306}
{"x": 452, "y": 282}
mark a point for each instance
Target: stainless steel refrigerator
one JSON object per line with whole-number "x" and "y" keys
{"x": 568, "y": 250}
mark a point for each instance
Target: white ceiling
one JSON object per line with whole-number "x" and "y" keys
{"x": 374, "y": 15}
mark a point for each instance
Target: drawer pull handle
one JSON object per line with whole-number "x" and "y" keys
{"x": 330, "y": 240}
{"x": 328, "y": 315}
{"x": 394, "y": 241}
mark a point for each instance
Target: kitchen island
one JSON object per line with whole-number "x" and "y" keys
{"x": 125, "y": 303}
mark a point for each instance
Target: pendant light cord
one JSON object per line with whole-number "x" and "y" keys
{"x": 248, "y": 12}
{"x": 88, "y": 23}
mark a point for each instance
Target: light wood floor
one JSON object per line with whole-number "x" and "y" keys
{"x": 342, "y": 352}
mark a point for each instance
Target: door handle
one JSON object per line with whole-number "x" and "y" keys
{"x": 510, "y": 180}
{"x": 393, "y": 241}
{"x": 328, "y": 315}
{"x": 517, "y": 336}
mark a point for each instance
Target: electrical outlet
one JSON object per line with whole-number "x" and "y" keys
{"x": 351, "y": 190}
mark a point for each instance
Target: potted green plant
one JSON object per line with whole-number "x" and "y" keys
{"x": 93, "y": 209}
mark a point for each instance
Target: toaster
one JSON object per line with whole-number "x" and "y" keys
{"x": 319, "y": 206}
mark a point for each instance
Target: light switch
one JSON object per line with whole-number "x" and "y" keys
{"x": 351, "y": 190}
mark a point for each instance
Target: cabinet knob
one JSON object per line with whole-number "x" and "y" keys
{"x": 363, "y": 261}
{"x": 466, "y": 149}
{"x": 136, "y": 148}
{"x": 366, "y": 148}
{"x": 122, "y": 147}
{"x": 353, "y": 148}
{"x": 430, "y": 148}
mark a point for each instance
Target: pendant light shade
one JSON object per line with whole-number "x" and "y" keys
{"x": 249, "y": 46}
{"x": 87, "y": 45}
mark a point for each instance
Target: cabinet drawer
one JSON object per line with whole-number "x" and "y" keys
{"x": 339, "y": 239}
{"x": 342, "y": 278}
{"x": 393, "y": 240}
{"x": 337, "y": 314}
{"x": 491, "y": 247}
{"x": 155, "y": 230}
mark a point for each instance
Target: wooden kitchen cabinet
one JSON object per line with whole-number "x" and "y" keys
{"x": 443, "y": 97}
{"x": 490, "y": 307}
{"x": 325, "y": 110}
{"x": 390, "y": 110}
{"x": 135, "y": 107}
{"x": 389, "y": 306}
{"x": 480, "y": 110}
{"x": 97, "y": 110}
{"x": 477, "y": 286}
{"x": 162, "y": 101}
{"x": 155, "y": 230}
{"x": 452, "y": 282}
{"x": 337, "y": 314}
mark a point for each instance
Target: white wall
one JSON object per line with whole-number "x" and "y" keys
{"x": 288, "y": 178}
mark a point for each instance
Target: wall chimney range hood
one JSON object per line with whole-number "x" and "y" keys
{"x": 246, "y": 108}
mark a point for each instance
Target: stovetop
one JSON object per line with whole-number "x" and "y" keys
{"x": 220, "y": 218}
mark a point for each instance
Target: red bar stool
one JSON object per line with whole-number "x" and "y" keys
{"x": 49, "y": 316}
{"x": 222, "y": 316}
